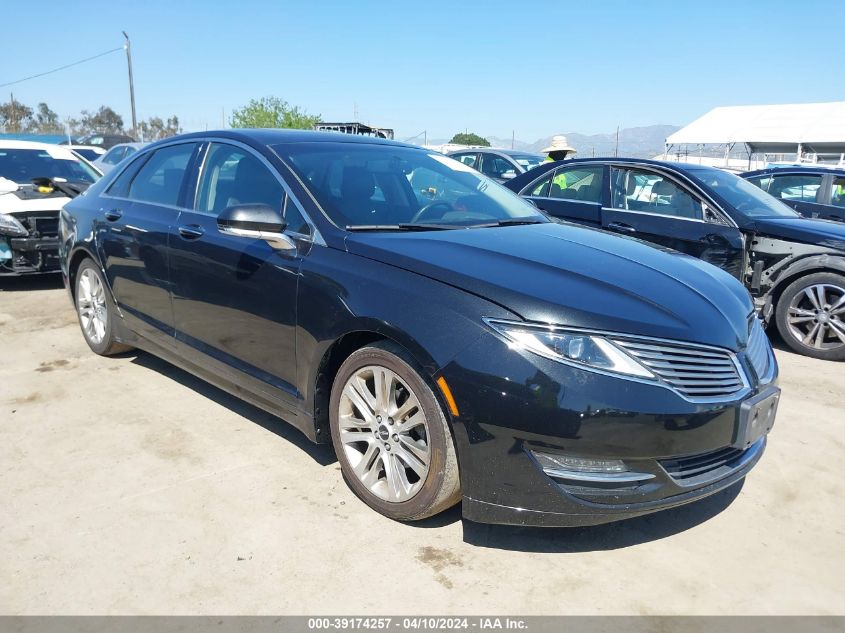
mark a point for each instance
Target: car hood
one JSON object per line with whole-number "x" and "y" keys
{"x": 576, "y": 276}
{"x": 11, "y": 203}
{"x": 809, "y": 231}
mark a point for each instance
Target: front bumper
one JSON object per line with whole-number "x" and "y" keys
{"x": 514, "y": 404}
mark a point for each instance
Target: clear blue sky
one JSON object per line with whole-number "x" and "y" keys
{"x": 491, "y": 66}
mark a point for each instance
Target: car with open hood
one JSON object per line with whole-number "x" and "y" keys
{"x": 452, "y": 343}
{"x": 793, "y": 266}
{"x": 36, "y": 180}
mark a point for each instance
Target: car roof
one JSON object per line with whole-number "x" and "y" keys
{"x": 274, "y": 136}
{"x": 791, "y": 169}
{"x": 56, "y": 151}
{"x": 496, "y": 150}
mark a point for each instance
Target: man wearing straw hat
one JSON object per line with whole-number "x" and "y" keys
{"x": 558, "y": 150}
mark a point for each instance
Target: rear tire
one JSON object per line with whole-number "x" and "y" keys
{"x": 810, "y": 316}
{"x": 96, "y": 310}
{"x": 391, "y": 435}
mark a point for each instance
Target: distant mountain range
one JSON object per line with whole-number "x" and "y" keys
{"x": 638, "y": 142}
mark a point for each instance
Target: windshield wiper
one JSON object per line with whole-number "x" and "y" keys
{"x": 400, "y": 227}
{"x": 508, "y": 222}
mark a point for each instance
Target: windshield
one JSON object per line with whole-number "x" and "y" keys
{"x": 528, "y": 161}
{"x": 749, "y": 200}
{"x": 22, "y": 165}
{"x": 382, "y": 186}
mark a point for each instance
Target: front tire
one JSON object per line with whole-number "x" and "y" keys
{"x": 96, "y": 311}
{"x": 391, "y": 436}
{"x": 810, "y": 316}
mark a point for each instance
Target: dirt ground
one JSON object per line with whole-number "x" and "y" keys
{"x": 129, "y": 486}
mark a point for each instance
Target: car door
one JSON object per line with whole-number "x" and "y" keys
{"x": 141, "y": 208}
{"x": 656, "y": 207}
{"x": 807, "y": 193}
{"x": 234, "y": 297}
{"x": 575, "y": 193}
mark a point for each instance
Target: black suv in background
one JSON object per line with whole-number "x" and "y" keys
{"x": 794, "y": 267}
{"x": 815, "y": 192}
{"x": 448, "y": 339}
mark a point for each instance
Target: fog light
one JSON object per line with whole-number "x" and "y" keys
{"x": 587, "y": 469}
{"x": 581, "y": 464}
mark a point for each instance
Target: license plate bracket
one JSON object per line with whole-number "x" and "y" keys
{"x": 756, "y": 417}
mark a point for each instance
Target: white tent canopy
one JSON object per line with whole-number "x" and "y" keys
{"x": 809, "y": 127}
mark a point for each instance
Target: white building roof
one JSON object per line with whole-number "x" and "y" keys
{"x": 818, "y": 127}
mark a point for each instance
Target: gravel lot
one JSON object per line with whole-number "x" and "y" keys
{"x": 128, "y": 486}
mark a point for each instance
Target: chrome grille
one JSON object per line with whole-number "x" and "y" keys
{"x": 758, "y": 350}
{"x": 695, "y": 372}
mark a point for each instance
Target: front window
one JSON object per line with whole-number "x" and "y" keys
{"x": 744, "y": 197}
{"x": 22, "y": 165}
{"x": 361, "y": 185}
{"x": 651, "y": 192}
{"x": 497, "y": 167}
{"x": 795, "y": 187}
{"x": 579, "y": 183}
{"x": 837, "y": 197}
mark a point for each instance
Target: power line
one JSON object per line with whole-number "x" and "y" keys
{"x": 55, "y": 70}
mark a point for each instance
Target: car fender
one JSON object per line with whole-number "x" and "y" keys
{"x": 826, "y": 262}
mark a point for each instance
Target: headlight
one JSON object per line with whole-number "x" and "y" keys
{"x": 9, "y": 225}
{"x": 571, "y": 347}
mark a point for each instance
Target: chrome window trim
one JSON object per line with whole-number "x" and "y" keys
{"x": 657, "y": 382}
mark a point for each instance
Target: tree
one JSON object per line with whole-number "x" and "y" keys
{"x": 15, "y": 117}
{"x": 462, "y": 138}
{"x": 103, "y": 121}
{"x": 272, "y": 112}
{"x": 155, "y": 128}
{"x": 46, "y": 121}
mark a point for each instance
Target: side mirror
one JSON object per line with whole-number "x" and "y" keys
{"x": 508, "y": 175}
{"x": 256, "y": 221}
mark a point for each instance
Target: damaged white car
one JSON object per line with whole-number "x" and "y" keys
{"x": 36, "y": 180}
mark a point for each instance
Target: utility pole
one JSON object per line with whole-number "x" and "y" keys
{"x": 128, "y": 48}
{"x": 513, "y": 136}
{"x": 616, "y": 151}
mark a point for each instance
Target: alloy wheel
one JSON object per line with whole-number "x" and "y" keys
{"x": 384, "y": 433}
{"x": 816, "y": 316}
{"x": 91, "y": 305}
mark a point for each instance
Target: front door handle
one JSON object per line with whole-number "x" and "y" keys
{"x": 191, "y": 231}
{"x": 113, "y": 215}
{"x": 621, "y": 227}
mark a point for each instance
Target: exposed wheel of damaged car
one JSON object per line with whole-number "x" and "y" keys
{"x": 811, "y": 316}
{"x": 449, "y": 340}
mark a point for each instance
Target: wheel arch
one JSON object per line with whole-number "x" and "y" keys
{"x": 343, "y": 346}
{"x": 803, "y": 267}
{"x": 74, "y": 262}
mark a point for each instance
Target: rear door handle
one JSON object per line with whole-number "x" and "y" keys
{"x": 621, "y": 227}
{"x": 112, "y": 215}
{"x": 191, "y": 231}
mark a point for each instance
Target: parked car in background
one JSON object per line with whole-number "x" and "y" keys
{"x": 498, "y": 164}
{"x": 106, "y": 141}
{"x": 450, "y": 342}
{"x": 89, "y": 152}
{"x": 109, "y": 159}
{"x": 814, "y": 192}
{"x": 36, "y": 180}
{"x": 794, "y": 267}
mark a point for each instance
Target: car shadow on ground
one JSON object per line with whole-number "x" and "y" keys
{"x": 610, "y": 536}
{"x": 26, "y": 283}
{"x": 323, "y": 454}
{"x": 595, "y": 538}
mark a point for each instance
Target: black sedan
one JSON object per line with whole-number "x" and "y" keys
{"x": 450, "y": 341}
{"x": 794, "y": 267}
{"x": 814, "y": 192}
